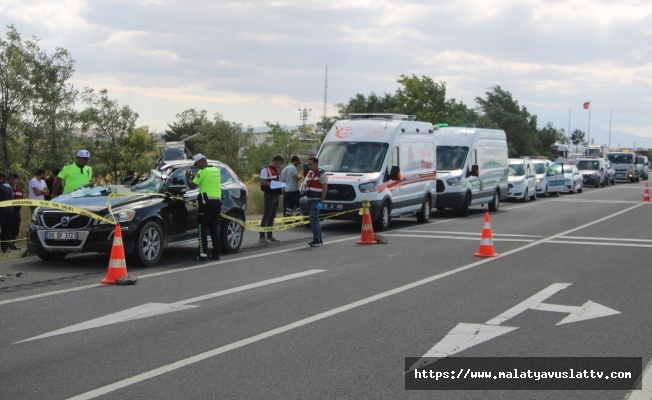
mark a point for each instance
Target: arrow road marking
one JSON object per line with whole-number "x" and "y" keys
{"x": 464, "y": 335}
{"x": 153, "y": 309}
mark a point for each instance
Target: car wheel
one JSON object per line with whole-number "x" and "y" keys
{"x": 148, "y": 248}
{"x": 423, "y": 215}
{"x": 604, "y": 183}
{"x": 464, "y": 210}
{"x": 231, "y": 235}
{"x": 495, "y": 202}
{"x": 525, "y": 196}
{"x": 579, "y": 190}
{"x": 545, "y": 192}
{"x": 534, "y": 195}
{"x": 52, "y": 256}
{"x": 384, "y": 218}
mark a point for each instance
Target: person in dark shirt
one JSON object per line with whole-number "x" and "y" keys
{"x": 50, "y": 180}
{"x": 6, "y": 193}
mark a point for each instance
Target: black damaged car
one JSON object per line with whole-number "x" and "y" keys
{"x": 150, "y": 220}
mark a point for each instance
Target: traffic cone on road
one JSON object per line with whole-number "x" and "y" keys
{"x": 367, "y": 235}
{"x": 646, "y": 194}
{"x": 486, "y": 243}
{"x": 117, "y": 264}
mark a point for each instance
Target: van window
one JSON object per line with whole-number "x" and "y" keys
{"x": 393, "y": 162}
{"x": 361, "y": 157}
{"x": 450, "y": 158}
{"x": 416, "y": 155}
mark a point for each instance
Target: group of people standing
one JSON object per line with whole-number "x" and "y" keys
{"x": 39, "y": 188}
{"x": 316, "y": 187}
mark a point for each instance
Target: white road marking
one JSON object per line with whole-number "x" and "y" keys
{"x": 599, "y": 201}
{"x": 458, "y": 238}
{"x": 601, "y": 243}
{"x": 471, "y": 233}
{"x": 153, "y": 309}
{"x": 172, "y": 271}
{"x": 610, "y": 239}
{"x": 318, "y": 317}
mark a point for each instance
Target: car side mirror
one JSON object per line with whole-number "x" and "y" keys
{"x": 395, "y": 173}
{"x": 475, "y": 171}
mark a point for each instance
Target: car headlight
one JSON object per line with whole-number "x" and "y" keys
{"x": 539, "y": 180}
{"x": 455, "y": 181}
{"x": 35, "y": 216}
{"x": 368, "y": 187}
{"x": 120, "y": 216}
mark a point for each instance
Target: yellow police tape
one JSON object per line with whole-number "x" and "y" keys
{"x": 287, "y": 222}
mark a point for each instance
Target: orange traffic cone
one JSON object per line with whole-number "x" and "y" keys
{"x": 367, "y": 235}
{"x": 117, "y": 264}
{"x": 646, "y": 194}
{"x": 486, "y": 243}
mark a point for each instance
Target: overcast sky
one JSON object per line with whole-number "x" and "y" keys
{"x": 254, "y": 61}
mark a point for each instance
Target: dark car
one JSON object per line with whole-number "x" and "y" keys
{"x": 150, "y": 219}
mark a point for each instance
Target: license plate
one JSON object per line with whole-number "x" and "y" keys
{"x": 61, "y": 235}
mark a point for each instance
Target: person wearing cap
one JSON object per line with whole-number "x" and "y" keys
{"x": 6, "y": 193}
{"x": 270, "y": 197}
{"x": 73, "y": 175}
{"x": 208, "y": 180}
{"x": 50, "y": 180}
{"x": 19, "y": 194}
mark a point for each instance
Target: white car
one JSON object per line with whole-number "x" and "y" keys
{"x": 593, "y": 171}
{"x": 522, "y": 181}
{"x": 572, "y": 177}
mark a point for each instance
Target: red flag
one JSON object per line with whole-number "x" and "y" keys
{"x": 586, "y": 105}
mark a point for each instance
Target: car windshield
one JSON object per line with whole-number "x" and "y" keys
{"x": 150, "y": 185}
{"x": 516, "y": 170}
{"x": 359, "y": 157}
{"x": 540, "y": 168}
{"x": 450, "y": 158}
{"x": 88, "y": 191}
{"x": 621, "y": 158}
{"x": 588, "y": 165}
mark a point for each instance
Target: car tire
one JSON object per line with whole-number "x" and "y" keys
{"x": 534, "y": 195}
{"x": 525, "y": 197}
{"x": 51, "y": 256}
{"x": 384, "y": 219}
{"x": 464, "y": 209}
{"x": 495, "y": 202}
{"x": 423, "y": 215}
{"x": 231, "y": 234}
{"x": 148, "y": 247}
{"x": 581, "y": 188}
{"x": 545, "y": 192}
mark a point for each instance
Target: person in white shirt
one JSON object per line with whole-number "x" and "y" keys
{"x": 291, "y": 196}
{"x": 37, "y": 187}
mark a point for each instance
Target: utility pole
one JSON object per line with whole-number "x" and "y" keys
{"x": 303, "y": 115}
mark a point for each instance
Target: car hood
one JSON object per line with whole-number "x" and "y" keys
{"x": 97, "y": 204}
{"x": 589, "y": 171}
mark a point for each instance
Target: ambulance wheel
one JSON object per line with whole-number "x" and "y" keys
{"x": 495, "y": 202}
{"x": 384, "y": 218}
{"x": 423, "y": 215}
{"x": 464, "y": 210}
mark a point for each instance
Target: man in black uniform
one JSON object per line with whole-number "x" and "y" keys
{"x": 6, "y": 193}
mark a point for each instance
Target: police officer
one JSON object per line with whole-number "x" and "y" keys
{"x": 19, "y": 194}
{"x": 315, "y": 191}
{"x": 74, "y": 175}
{"x": 210, "y": 205}
{"x": 270, "y": 197}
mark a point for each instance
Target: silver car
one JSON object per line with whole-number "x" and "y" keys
{"x": 572, "y": 177}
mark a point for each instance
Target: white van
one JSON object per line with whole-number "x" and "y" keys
{"x": 522, "y": 179}
{"x": 388, "y": 159}
{"x": 471, "y": 168}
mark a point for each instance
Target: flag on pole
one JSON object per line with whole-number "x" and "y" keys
{"x": 586, "y": 105}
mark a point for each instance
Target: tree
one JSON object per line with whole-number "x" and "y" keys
{"x": 548, "y": 136}
{"x": 499, "y": 110}
{"x": 189, "y": 123}
{"x": 577, "y": 138}
{"x": 280, "y": 141}
{"x": 372, "y": 104}
{"x": 112, "y": 127}
{"x": 422, "y": 97}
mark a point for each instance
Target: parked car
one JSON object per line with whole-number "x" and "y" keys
{"x": 522, "y": 179}
{"x": 572, "y": 177}
{"x": 593, "y": 171}
{"x": 642, "y": 164}
{"x": 149, "y": 219}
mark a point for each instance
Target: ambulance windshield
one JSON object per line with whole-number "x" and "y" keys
{"x": 450, "y": 158}
{"x": 361, "y": 157}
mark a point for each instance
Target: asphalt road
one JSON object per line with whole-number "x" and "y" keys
{"x": 288, "y": 321}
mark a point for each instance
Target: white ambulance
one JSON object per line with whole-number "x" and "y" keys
{"x": 388, "y": 159}
{"x": 471, "y": 168}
